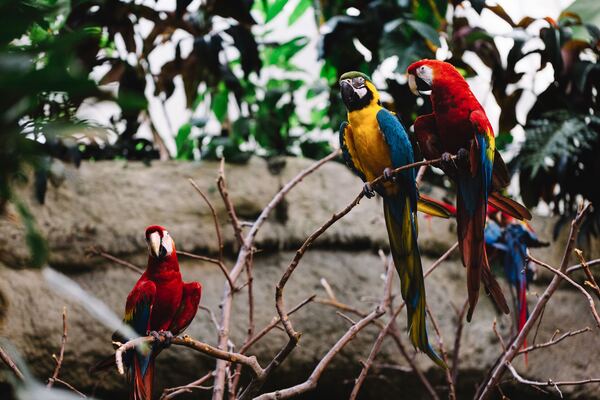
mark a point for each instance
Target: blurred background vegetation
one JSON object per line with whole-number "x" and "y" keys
{"x": 58, "y": 57}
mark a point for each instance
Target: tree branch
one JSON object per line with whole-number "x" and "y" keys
{"x": 98, "y": 252}
{"x": 486, "y": 388}
{"x": 61, "y": 353}
{"x": 554, "y": 340}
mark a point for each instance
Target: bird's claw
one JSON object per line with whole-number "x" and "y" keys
{"x": 388, "y": 175}
{"x": 162, "y": 338}
{"x": 368, "y": 190}
{"x": 447, "y": 160}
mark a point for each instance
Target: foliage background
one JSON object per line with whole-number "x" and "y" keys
{"x": 92, "y": 80}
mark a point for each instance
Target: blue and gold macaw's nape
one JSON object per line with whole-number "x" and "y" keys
{"x": 374, "y": 142}
{"x": 459, "y": 126}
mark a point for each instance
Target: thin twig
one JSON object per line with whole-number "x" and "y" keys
{"x": 460, "y": 316}
{"x": 220, "y": 263}
{"x": 554, "y": 340}
{"x": 572, "y": 282}
{"x": 591, "y": 281}
{"x": 243, "y": 254}
{"x": 61, "y": 353}
{"x": 273, "y": 324}
{"x": 233, "y": 218}
{"x": 443, "y": 354}
{"x": 591, "y": 263}
{"x": 170, "y": 393}
{"x": 500, "y": 340}
{"x": 215, "y": 218}
{"x": 550, "y": 382}
{"x": 68, "y": 386}
{"x": 486, "y": 388}
{"x": 98, "y": 252}
{"x": 314, "y": 377}
{"x": 11, "y": 364}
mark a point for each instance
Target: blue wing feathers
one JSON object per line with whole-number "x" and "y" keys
{"x": 401, "y": 151}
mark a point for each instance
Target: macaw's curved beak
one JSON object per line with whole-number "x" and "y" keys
{"x": 155, "y": 245}
{"x": 347, "y": 91}
{"x": 418, "y": 86}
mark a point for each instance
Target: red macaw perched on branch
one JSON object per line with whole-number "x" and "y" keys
{"x": 458, "y": 125}
{"x": 373, "y": 142}
{"x": 159, "y": 304}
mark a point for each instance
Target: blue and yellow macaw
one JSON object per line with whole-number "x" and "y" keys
{"x": 373, "y": 142}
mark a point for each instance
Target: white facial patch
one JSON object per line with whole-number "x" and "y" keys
{"x": 167, "y": 243}
{"x": 361, "y": 92}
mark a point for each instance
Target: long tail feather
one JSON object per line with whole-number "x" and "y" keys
{"x": 402, "y": 232}
{"x": 430, "y": 206}
{"x": 492, "y": 286}
{"x": 141, "y": 379}
{"x": 509, "y": 206}
{"x": 471, "y": 243}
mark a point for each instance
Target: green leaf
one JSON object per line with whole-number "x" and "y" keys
{"x": 274, "y": 9}
{"x": 283, "y": 53}
{"x": 219, "y": 102}
{"x": 299, "y": 11}
{"x": 184, "y": 144}
{"x": 425, "y": 31}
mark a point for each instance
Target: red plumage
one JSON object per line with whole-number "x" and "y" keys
{"x": 458, "y": 122}
{"x": 159, "y": 301}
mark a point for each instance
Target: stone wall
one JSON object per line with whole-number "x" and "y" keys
{"x": 108, "y": 204}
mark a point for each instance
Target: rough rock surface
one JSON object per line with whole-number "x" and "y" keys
{"x": 108, "y": 204}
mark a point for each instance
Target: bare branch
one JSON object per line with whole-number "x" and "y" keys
{"x": 98, "y": 252}
{"x": 220, "y": 263}
{"x": 443, "y": 354}
{"x": 244, "y": 253}
{"x": 61, "y": 353}
{"x": 591, "y": 263}
{"x": 312, "y": 380}
{"x": 10, "y": 364}
{"x": 197, "y": 345}
{"x": 172, "y": 392}
{"x": 486, "y": 388}
{"x": 591, "y": 282}
{"x": 500, "y": 340}
{"x": 215, "y": 218}
{"x": 554, "y": 340}
{"x": 68, "y": 386}
{"x": 550, "y": 382}
{"x": 572, "y": 282}
{"x": 233, "y": 218}
{"x": 460, "y": 316}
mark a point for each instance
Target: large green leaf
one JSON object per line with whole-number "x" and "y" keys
{"x": 274, "y": 9}
{"x": 299, "y": 11}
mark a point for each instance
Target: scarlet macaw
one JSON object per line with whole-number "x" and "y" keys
{"x": 159, "y": 304}
{"x": 373, "y": 141}
{"x": 459, "y": 125}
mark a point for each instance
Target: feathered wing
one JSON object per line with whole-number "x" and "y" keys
{"x": 400, "y": 207}
{"x": 472, "y": 198}
{"x": 140, "y": 362}
{"x": 349, "y": 151}
{"x": 190, "y": 299}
